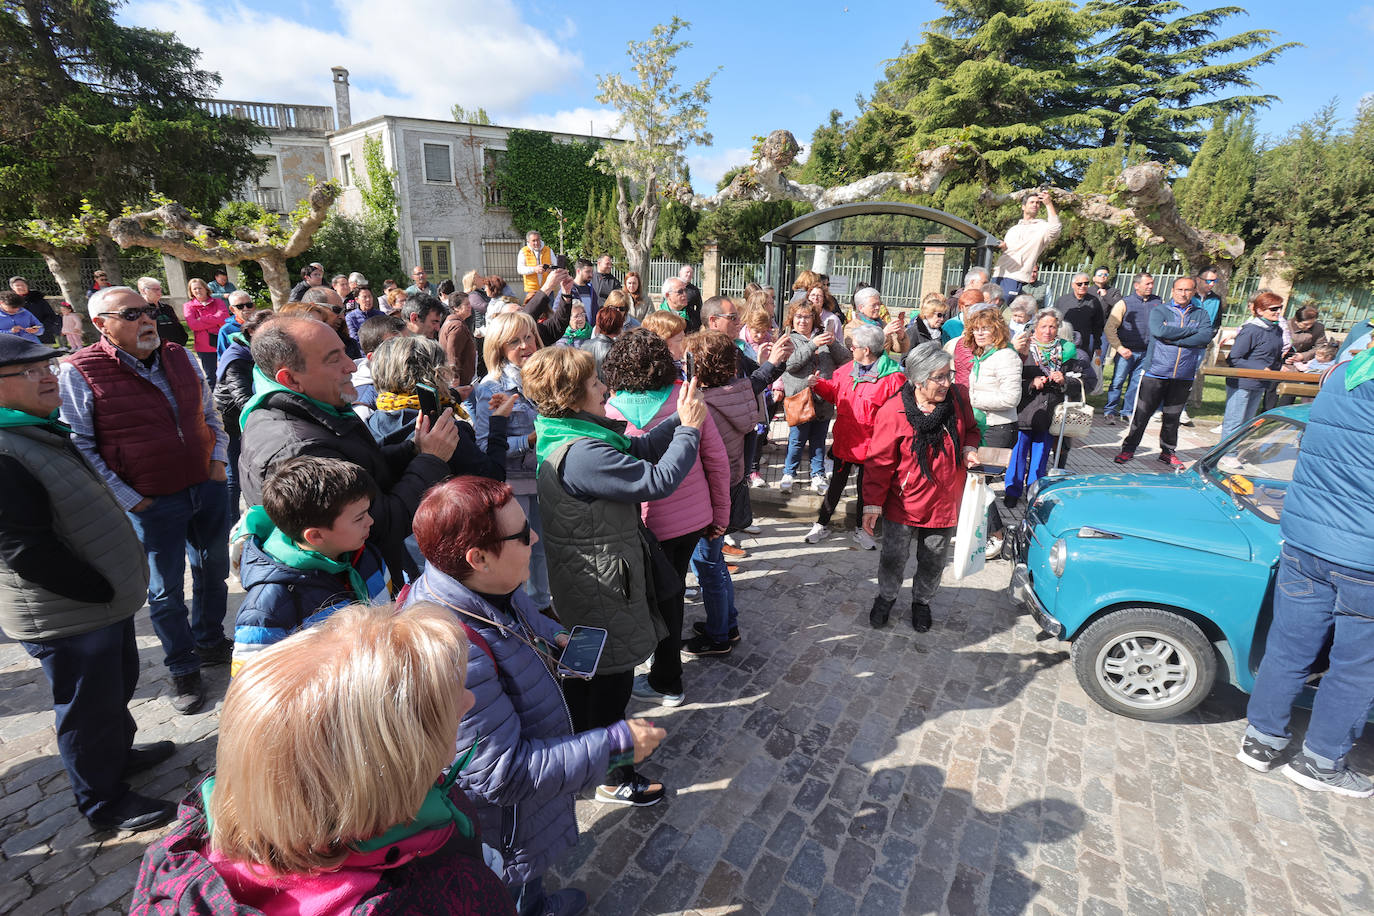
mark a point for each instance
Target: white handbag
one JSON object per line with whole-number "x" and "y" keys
{"x": 1074, "y": 419}
{"x": 971, "y": 537}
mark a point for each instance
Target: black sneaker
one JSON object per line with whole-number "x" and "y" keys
{"x": 700, "y": 629}
{"x": 637, "y": 791}
{"x": 1343, "y": 781}
{"x": 1257, "y": 755}
{"x": 920, "y": 617}
{"x": 219, "y": 653}
{"x": 146, "y": 756}
{"x": 134, "y": 812}
{"x": 702, "y": 644}
{"x": 188, "y": 693}
{"x": 878, "y": 614}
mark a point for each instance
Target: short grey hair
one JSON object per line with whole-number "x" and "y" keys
{"x": 1057, "y": 315}
{"x": 868, "y": 337}
{"x": 96, "y": 304}
{"x": 238, "y": 297}
{"x": 401, "y": 363}
{"x": 1024, "y": 303}
{"x": 670, "y": 283}
{"x": 974, "y": 273}
{"x": 924, "y": 361}
{"x": 356, "y": 277}
{"x": 993, "y": 294}
{"x": 144, "y": 282}
{"x": 1141, "y": 276}
{"x": 865, "y": 295}
{"x": 1084, "y": 275}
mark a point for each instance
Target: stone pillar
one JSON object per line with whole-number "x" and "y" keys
{"x": 174, "y": 290}
{"x": 1275, "y": 274}
{"x": 933, "y": 269}
{"x": 710, "y": 269}
{"x": 235, "y": 275}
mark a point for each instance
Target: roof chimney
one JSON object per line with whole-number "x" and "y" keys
{"x": 341, "y": 106}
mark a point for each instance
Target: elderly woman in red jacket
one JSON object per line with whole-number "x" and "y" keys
{"x": 857, "y": 389}
{"x": 924, "y": 441}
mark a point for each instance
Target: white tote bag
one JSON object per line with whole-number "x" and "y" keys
{"x": 971, "y": 537}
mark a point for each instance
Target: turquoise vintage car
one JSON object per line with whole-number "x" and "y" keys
{"x": 1161, "y": 582}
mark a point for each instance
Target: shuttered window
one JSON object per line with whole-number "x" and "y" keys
{"x": 435, "y": 259}
{"x": 438, "y": 163}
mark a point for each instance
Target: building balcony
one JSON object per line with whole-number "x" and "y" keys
{"x": 275, "y": 116}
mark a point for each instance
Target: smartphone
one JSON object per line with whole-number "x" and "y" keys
{"x": 583, "y": 652}
{"x": 689, "y": 364}
{"x": 560, "y": 261}
{"x": 429, "y": 402}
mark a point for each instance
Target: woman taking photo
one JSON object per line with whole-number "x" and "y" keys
{"x": 592, "y": 478}
{"x": 325, "y": 800}
{"x": 1042, "y": 390}
{"x": 1258, "y": 345}
{"x": 814, "y": 352}
{"x": 924, "y": 440}
{"x": 526, "y": 765}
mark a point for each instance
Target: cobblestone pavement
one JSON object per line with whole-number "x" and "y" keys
{"x": 824, "y": 767}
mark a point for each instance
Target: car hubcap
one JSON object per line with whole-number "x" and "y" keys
{"x": 1146, "y": 670}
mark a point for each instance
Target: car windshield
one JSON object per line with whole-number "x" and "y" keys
{"x": 1256, "y": 468}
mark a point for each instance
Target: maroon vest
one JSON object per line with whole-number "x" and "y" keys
{"x": 135, "y": 430}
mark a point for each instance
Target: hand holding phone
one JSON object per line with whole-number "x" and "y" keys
{"x": 583, "y": 652}
{"x": 429, "y": 402}
{"x": 689, "y": 366}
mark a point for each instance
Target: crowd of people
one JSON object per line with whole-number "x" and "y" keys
{"x": 430, "y": 492}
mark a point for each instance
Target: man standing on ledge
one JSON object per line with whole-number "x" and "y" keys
{"x": 72, "y": 576}
{"x": 534, "y": 262}
{"x": 1025, "y": 243}
{"x": 142, "y": 415}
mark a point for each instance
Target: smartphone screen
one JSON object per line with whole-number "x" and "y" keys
{"x": 429, "y": 402}
{"x": 583, "y": 651}
{"x": 689, "y": 366}
{"x": 560, "y": 261}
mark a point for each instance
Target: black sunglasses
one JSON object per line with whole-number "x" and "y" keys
{"x": 523, "y": 535}
{"x": 338, "y": 309}
{"x": 132, "y": 314}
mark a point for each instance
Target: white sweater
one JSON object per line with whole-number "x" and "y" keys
{"x": 994, "y": 386}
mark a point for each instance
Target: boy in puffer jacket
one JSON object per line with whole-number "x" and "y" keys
{"x": 306, "y": 553}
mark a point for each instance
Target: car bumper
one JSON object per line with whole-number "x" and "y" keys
{"x": 1025, "y": 596}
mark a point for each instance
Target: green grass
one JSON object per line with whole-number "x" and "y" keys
{"x": 1213, "y": 398}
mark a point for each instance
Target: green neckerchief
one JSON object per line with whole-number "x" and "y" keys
{"x": 264, "y": 385}
{"x": 1360, "y": 370}
{"x": 582, "y": 333}
{"x": 437, "y": 810}
{"x": 9, "y": 418}
{"x": 883, "y": 366}
{"x": 237, "y": 337}
{"x": 866, "y": 320}
{"x": 551, "y": 433}
{"x": 640, "y": 407}
{"x": 668, "y": 308}
{"x": 285, "y": 551}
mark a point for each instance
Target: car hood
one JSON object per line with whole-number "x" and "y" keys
{"x": 1180, "y": 509}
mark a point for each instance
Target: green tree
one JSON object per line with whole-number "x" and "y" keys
{"x": 736, "y": 227}
{"x": 539, "y": 174}
{"x": 662, "y": 119}
{"x": 470, "y": 115}
{"x": 1218, "y": 188}
{"x": 1157, "y": 77}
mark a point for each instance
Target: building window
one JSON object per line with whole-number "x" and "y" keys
{"x": 438, "y": 163}
{"x": 492, "y": 160}
{"x": 499, "y": 256}
{"x": 346, "y": 170}
{"x": 435, "y": 259}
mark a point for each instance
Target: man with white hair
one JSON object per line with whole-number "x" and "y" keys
{"x": 676, "y": 299}
{"x": 693, "y": 316}
{"x": 142, "y": 414}
{"x": 1083, "y": 312}
{"x": 241, "y": 308}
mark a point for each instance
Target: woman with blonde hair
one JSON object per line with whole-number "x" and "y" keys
{"x": 205, "y": 315}
{"x": 511, "y": 339}
{"x": 929, "y": 319}
{"x": 672, "y": 329}
{"x": 328, "y": 791}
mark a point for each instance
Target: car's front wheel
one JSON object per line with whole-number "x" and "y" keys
{"x": 1145, "y": 663}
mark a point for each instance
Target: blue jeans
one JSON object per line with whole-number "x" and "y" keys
{"x": 1011, "y": 287}
{"x": 188, "y": 524}
{"x": 1316, "y": 599}
{"x": 93, "y": 676}
{"x": 1242, "y": 405}
{"x": 1126, "y": 372}
{"x": 810, "y": 439}
{"x": 1029, "y": 459}
{"x": 231, "y": 471}
{"x": 717, "y": 588}
{"x": 537, "y": 586}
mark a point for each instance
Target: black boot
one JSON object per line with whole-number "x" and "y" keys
{"x": 877, "y": 617}
{"x": 920, "y": 616}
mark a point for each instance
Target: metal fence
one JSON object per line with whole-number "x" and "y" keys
{"x": 35, "y": 271}
{"x": 1338, "y": 307}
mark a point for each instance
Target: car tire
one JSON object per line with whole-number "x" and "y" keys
{"x": 1145, "y": 663}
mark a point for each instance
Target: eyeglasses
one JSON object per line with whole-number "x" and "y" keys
{"x": 1272, "y": 308}
{"x": 338, "y": 309}
{"x": 1209, "y": 279}
{"x": 941, "y": 379}
{"x": 1080, "y": 283}
{"x": 730, "y": 316}
{"x": 132, "y": 314}
{"x": 523, "y": 535}
{"x": 35, "y": 373}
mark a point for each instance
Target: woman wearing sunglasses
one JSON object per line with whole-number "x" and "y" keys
{"x": 1258, "y": 345}
{"x": 526, "y": 765}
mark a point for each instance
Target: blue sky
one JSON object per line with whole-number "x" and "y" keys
{"x": 529, "y": 63}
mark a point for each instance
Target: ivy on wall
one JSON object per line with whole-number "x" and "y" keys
{"x": 539, "y": 174}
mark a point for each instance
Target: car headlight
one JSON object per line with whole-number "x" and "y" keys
{"x": 1033, "y": 491}
{"x": 1059, "y": 554}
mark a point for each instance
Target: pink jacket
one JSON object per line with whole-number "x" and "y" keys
{"x": 700, "y": 500}
{"x": 205, "y": 319}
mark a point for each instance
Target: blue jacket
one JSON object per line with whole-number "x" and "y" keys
{"x": 520, "y": 458}
{"x": 1135, "y": 324}
{"x": 1213, "y": 305}
{"x": 226, "y": 334}
{"x": 389, "y": 427}
{"x": 1259, "y": 345}
{"x": 1327, "y": 510}
{"x": 529, "y": 764}
{"x": 1178, "y": 341}
{"x": 281, "y": 600}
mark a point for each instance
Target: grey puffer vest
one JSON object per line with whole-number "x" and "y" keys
{"x": 87, "y": 519}
{"x": 598, "y": 564}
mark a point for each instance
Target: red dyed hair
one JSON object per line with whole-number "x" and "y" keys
{"x": 458, "y": 516}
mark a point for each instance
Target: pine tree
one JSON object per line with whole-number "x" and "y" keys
{"x": 1217, "y": 191}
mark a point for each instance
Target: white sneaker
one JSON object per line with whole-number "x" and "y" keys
{"x": 756, "y": 480}
{"x": 817, "y": 534}
{"x": 820, "y": 485}
{"x": 994, "y": 549}
{"x": 753, "y": 529}
{"x": 785, "y": 485}
{"x": 864, "y": 539}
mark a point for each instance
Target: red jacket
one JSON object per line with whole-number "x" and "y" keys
{"x": 856, "y": 405}
{"x": 893, "y": 479}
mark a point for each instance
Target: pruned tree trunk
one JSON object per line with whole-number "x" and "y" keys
{"x": 65, "y": 267}
{"x": 108, "y": 253}
{"x": 278, "y": 279}
{"x": 637, "y": 226}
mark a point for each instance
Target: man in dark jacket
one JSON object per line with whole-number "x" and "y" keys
{"x": 37, "y": 304}
{"x": 169, "y": 326}
{"x": 1107, "y": 294}
{"x": 304, "y": 389}
{"x": 1083, "y": 311}
{"x": 603, "y": 281}
{"x": 1179, "y": 334}
{"x": 1127, "y": 333}
{"x": 72, "y": 576}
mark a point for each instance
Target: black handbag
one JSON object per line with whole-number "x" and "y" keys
{"x": 741, "y": 506}
{"x": 664, "y": 582}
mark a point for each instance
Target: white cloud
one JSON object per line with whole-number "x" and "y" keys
{"x": 263, "y": 56}
{"x": 596, "y": 121}
{"x": 709, "y": 165}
